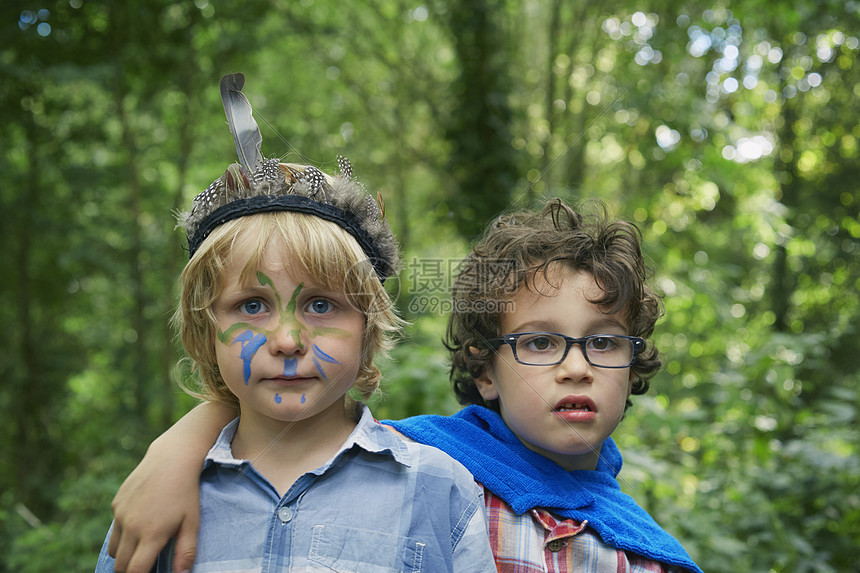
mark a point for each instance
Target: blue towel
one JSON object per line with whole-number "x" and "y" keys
{"x": 479, "y": 439}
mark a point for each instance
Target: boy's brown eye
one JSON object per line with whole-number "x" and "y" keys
{"x": 539, "y": 343}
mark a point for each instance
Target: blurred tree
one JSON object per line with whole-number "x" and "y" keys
{"x": 482, "y": 163}
{"x": 35, "y": 277}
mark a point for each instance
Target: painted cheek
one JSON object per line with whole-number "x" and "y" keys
{"x": 323, "y": 356}
{"x": 250, "y": 343}
{"x": 320, "y": 368}
{"x": 320, "y": 355}
{"x": 330, "y": 331}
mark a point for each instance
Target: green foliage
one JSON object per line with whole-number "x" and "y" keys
{"x": 414, "y": 378}
{"x": 728, "y": 132}
{"x": 72, "y": 541}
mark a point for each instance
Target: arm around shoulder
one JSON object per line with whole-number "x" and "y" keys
{"x": 160, "y": 498}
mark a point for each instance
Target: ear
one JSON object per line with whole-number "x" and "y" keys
{"x": 630, "y": 384}
{"x": 485, "y": 384}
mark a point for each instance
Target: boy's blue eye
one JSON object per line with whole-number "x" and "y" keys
{"x": 319, "y": 306}
{"x": 253, "y": 306}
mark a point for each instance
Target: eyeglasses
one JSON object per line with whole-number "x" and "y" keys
{"x": 549, "y": 348}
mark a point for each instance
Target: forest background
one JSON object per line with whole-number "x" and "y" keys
{"x": 728, "y": 131}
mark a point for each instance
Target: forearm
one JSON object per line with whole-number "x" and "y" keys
{"x": 192, "y": 435}
{"x": 160, "y": 498}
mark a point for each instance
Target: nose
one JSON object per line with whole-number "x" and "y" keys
{"x": 574, "y": 366}
{"x": 286, "y": 339}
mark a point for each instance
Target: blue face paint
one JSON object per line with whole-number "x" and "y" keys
{"x": 251, "y": 343}
{"x": 323, "y": 356}
{"x": 302, "y": 399}
{"x": 320, "y": 355}
{"x": 290, "y": 366}
{"x": 277, "y": 398}
{"x": 320, "y": 368}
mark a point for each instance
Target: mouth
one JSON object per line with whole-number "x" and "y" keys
{"x": 287, "y": 379}
{"x": 575, "y": 404}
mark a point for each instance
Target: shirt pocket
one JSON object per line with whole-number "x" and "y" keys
{"x": 364, "y": 551}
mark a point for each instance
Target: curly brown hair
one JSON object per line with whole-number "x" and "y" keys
{"x": 513, "y": 250}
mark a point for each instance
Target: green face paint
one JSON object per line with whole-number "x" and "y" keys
{"x": 286, "y": 318}
{"x": 288, "y": 315}
{"x": 330, "y": 331}
{"x": 226, "y": 336}
{"x": 265, "y": 280}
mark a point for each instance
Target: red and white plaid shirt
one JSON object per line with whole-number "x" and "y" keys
{"x": 537, "y": 542}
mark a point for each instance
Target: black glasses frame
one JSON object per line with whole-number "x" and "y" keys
{"x": 511, "y": 340}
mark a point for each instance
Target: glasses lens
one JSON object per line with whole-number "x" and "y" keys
{"x": 540, "y": 348}
{"x": 609, "y": 351}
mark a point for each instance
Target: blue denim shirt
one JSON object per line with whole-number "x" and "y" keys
{"x": 380, "y": 504}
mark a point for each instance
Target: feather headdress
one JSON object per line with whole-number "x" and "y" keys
{"x": 258, "y": 185}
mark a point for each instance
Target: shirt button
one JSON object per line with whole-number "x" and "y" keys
{"x": 284, "y": 514}
{"x": 555, "y": 545}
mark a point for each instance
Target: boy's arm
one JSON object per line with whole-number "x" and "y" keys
{"x": 160, "y": 498}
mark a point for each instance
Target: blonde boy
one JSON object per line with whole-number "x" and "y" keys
{"x": 282, "y": 311}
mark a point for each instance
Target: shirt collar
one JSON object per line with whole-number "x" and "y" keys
{"x": 375, "y": 438}
{"x": 368, "y": 435}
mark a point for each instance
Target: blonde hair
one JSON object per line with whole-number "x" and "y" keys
{"x": 320, "y": 249}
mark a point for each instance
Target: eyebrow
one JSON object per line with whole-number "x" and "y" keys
{"x": 250, "y": 289}
{"x": 244, "y": 287}
{"x": 552, "y": 326}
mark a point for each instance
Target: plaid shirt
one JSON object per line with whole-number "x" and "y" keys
{"x": 537, "y": 542}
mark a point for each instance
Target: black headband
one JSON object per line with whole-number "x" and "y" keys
{"x": 295, "y": 204}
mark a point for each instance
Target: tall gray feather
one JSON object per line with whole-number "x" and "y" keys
{"x": 245, "y": 131}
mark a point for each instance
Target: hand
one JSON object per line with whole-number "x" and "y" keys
{"x": 159, "y": 500}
